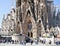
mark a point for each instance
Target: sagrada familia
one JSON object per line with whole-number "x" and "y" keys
{"x": 31, "y": 17}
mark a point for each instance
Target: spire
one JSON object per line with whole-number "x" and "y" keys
{"x": 12, "y": 5}
{"x": 3, "y": 16}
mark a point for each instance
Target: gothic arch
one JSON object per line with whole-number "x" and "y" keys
{"x": 30, "y": 15}
{"x": 28, "y": 12}
{"x": 29, "y": 18}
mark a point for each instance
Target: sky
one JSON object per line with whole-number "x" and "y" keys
{"x": 5, "y": 7}
{"x": 56, "y": 2}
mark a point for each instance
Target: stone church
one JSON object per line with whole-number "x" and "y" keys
{"x": 32, "y": 17}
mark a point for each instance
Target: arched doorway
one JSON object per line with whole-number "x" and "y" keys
{"x": 29, "y": 20}
{"x": 29, "y": 24}
{"x": 30, "y": 34}
{"x": 29, "y": 27}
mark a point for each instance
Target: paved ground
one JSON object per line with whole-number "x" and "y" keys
{"x": 28, "y": 44}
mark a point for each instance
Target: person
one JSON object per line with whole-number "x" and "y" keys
{"x": 50, "y": 42}
{"x": 31, "y": 42}
{"x": 44, "y": 41}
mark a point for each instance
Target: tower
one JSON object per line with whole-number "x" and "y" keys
{"x": 18, "y": 7}
{"x": 43, "y": 13}
{"x": 51, "y": 9}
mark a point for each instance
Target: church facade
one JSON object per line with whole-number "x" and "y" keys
{"x": 32, "y": 17}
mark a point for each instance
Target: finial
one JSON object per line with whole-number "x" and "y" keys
{"x": 3, "y": 16}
